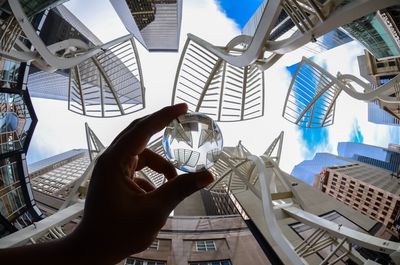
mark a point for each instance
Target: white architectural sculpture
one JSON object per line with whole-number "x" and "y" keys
{"x": 269, "y": 197}
{"x": 313, "y": 92}
{"x": 220, "y": 81}
{"x": 311, "y": 18}
{"x": 105, "y": 80}
{"x": 108, "y": 84}
{"x": 214, "y": 87}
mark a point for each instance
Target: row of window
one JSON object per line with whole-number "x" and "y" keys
{"x": 201, "y": 245}
{"x": 132, "y": 261}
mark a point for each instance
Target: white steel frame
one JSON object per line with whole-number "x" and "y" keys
{"x": 311, "y": 98}
{"x": 214, "y": 87}
{"x": 95, "y": 146}
{"x": 109, "y": 83}
{"x": 311, "y": 19}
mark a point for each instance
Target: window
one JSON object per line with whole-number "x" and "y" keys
{"x": 133, "y": 261}
{"x": 155, "y": 245}
{"x": 207, "y": 245}
{"x": 219, "y": 262}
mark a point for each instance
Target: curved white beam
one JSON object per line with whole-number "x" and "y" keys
{"x": 269, "y": 215}
{"x": 271, "y": 13}
{"x": 353, "y": 236}
{"x": 45, "y": 52}
{"x": 343, "y": 15}
{"x": 322, "y": 90}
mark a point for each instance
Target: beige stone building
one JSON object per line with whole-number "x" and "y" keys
{"x": 379, "y": 72}
{"x": 216, "y": 240}
{"x": 367, "y": 189}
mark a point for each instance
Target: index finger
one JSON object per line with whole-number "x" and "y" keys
{"x": 134, "y": 141}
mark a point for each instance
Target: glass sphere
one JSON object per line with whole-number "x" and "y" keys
{"x": 192, "y": 142}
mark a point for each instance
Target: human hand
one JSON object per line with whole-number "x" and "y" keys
{"x": 124, "y": 214}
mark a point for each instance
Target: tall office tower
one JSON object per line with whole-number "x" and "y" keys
{"x": 348, "y": 153}
{"x": 373, "y": 155}
{"x": 285, "y": 27}
{"x": 379, "y": 72}
{"x": 55, "y": 85}
{"x": 308, "y": 170}
{"x": 32, "y": 8}
{"x": 156, "y": 24}
{"x": 202, "y": 241}
{"x": 386, "y": 116}
{"x": 17, "y": 123}
{"x": 369, "y": 186}
{"x": 368, "y": 189}
{"x": 53, "y": 178}
{"x": 378, "y": 32}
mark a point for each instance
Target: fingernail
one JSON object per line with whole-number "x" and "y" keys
{"x": 182, "y": 105}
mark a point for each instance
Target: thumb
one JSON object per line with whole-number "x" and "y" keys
{"x": 171, "y": 193}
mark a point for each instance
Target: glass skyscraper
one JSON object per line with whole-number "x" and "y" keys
{"x": 369, "y": 154}
{"x": 308, "y": 170}
{"x": 378, "y": 32}
{"x": 17, "y": 122}
{"x": 156, "y": 24}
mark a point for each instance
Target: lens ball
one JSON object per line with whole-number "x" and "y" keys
{"x": 193, "y": 142}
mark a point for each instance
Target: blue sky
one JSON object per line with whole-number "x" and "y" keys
{"x": 239, "y": 10}
{"x": 53, "y": 136}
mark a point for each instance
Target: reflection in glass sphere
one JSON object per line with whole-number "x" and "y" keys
{"x": 192, "y": 142}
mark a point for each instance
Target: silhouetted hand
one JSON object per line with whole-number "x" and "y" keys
{"x": 123, "y": 214}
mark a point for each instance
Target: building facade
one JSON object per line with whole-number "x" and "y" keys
{"x": 378, "y": 32}
{"x": 53, "y": 178}
{"x": 223, "y": 240}
{"x": 308, "y": 170}
{"x": 383, "y": 158}
{"x": 379, "y": 72}
{"x": 156, "y": 24}
{"x": 367, "y": 189}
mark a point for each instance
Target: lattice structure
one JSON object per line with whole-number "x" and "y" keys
{"x": 95, "y": 146}
{"x": 320, "y": 240}
{"x": 274, "y": 150}
{"x": 311, "y": 99}
{"x": 211, "y": 86}
{"x": 313, "y": 92}
{"x": 232, "y": 171}
{"x": 52, "y": 234}
{"x": 108, "y": 84}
